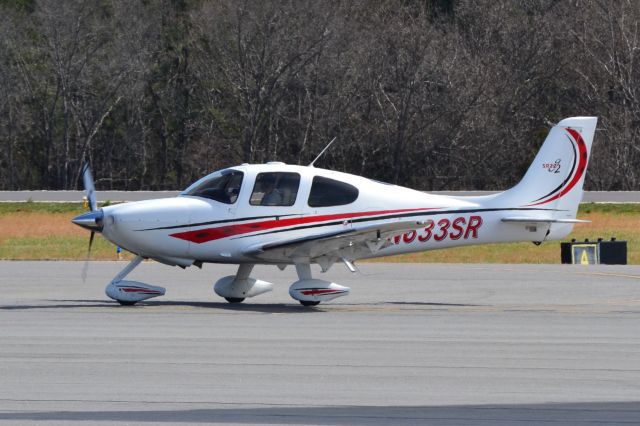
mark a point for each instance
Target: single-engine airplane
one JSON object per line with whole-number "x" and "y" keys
{"x": 280, "y": 214}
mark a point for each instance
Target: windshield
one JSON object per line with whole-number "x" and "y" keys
{"x": 223, "y": 187}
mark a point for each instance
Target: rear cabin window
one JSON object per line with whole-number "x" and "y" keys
{"x": 224, "y": 188}
{"x": 327, "y": 192}
{"x": 275, "y": 189}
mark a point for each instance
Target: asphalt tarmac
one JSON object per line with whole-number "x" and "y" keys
{"x": 412, "y": 344}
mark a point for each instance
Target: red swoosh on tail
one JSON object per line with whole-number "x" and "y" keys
{"x": 582, "y": 166}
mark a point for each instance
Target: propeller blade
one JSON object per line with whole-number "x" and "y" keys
{"x": 85, "y": 267}
{"x": 93, "y": 234}
{"x": 87, "y": 179}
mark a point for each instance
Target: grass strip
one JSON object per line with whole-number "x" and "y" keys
{"x": 33, "y": 231}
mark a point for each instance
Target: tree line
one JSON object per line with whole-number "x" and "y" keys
{"x": 433, "y": 94}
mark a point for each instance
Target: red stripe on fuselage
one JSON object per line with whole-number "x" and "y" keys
{"x": 209, "y": 234}
{"x": 582, "y": 165}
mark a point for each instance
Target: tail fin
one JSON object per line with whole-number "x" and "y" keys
{"x": 554, "y": 181}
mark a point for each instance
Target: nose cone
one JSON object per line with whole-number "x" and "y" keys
{"x": 90, "y": 220}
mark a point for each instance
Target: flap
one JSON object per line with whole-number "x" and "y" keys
{"x": 330, "y": 244}
{"x": 525, "y": 219}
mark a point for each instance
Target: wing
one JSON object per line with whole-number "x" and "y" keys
{"x": 326, "y": 248}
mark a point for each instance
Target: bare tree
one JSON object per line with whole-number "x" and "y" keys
{"x": 258, "y": 49}
{"x": 606, "y": 40}
{"x": 433, "y": 94}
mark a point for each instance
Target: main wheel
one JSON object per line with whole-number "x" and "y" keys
{"x": 308, "y": 303}
{"x": 125, "y": 303}
{"x": 234, "y": 299}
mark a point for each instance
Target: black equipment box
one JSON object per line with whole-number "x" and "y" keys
{"x": 594, "y": 252}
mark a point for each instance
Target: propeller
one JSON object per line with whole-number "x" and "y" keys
{"x": 91, "y": 220}
{"x": 87, "y": 179}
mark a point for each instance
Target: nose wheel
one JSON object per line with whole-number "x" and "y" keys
{"x": 308, "y": 303}
{"x": 234, "y": 299}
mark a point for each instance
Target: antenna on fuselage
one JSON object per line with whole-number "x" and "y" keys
{"x": 322, "y": 152}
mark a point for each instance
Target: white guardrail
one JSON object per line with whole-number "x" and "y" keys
{"x": 118, "y": 196}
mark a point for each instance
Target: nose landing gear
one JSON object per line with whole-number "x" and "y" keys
{"x": 128, "y": 293}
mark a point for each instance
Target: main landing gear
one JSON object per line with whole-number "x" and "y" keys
{"x": 310, "y": 291}
{"x": 236, "y": 288}
{"x": 307, "y": 290}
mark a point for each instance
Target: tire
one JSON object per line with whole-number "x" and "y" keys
{"x": 308, "y": 303}
{"x": 234, "y": 299}
{"x": 124, "y": 303}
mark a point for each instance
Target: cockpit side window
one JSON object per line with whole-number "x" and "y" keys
{"x": 224, "y": 188}
{"x": 275, "y": 189}
{"x": 327, "y": 192}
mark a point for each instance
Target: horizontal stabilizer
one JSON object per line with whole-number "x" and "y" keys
{"x": 541, "y": 220}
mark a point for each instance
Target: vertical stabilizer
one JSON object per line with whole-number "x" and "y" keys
{"x": 554, "y": 181}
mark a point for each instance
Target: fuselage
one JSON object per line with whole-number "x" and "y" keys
{"x": 211, "y": 222}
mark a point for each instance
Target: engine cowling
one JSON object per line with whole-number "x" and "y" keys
{"x": 230, "y": 287}
{"x": 313, "y": 290}
{"x": 132, "y": 291}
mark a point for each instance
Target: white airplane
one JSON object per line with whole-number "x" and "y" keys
{"x": 281, "y": 214}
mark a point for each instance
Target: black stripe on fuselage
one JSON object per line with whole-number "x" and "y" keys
{"x": 394, "y": 216}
